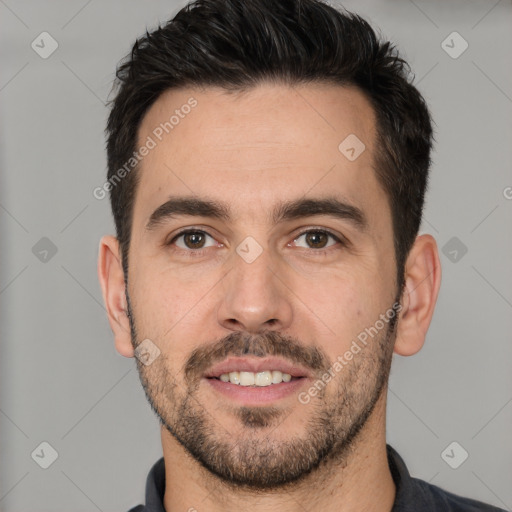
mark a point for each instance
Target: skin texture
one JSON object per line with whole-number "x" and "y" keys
{"x": 252, "y": 150}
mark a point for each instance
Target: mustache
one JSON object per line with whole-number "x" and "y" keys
{"x": 269, "y": 343}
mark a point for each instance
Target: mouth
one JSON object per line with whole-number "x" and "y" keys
{"x": 256, "y": 381}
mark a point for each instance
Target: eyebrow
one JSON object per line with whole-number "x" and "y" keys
{"x": 283, "y": 211}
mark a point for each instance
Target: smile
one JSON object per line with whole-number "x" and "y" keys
{"x": 260, "y": 379}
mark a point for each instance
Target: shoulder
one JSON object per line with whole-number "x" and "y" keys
{"x": 413, "y": 494}
{"x": 442, "y": 500}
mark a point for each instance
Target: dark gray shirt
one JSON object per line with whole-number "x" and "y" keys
{"x": 412, "y": 494}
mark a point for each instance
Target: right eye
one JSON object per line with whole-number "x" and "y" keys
{"x": 192, "y": 240}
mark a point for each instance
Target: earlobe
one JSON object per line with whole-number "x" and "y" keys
{"x": 111, "y": 277}
{"x": 422, "y": 283}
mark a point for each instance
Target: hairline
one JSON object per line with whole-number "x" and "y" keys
{"x": 380, "y": 156}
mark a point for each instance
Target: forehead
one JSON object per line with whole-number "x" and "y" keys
{"x": 259, "y": 147}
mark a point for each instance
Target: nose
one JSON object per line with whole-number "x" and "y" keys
{"x": 254, "y": 296}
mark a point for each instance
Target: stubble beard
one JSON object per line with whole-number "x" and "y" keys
{"x": 252, "y": 458}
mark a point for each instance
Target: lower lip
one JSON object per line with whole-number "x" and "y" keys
{"x": 257, "y": 395}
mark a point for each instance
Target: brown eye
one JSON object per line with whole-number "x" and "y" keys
{"x": 317, "y": 239}
{"x": 192, "y": 239}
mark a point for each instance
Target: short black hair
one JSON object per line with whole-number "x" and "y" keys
{"x": 236, "y": 45}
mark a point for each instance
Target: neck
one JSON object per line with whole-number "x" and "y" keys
{"x": 362, "y": 482}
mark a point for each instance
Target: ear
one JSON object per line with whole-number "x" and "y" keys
{"x": 110, "y": 274}
{"x": 422, "y": 283}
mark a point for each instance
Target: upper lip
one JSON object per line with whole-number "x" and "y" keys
{"x": 244, "y": 364}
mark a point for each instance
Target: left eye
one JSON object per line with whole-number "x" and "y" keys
{"x": 317, "y": 238}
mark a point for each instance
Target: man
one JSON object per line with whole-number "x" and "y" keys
{"x": 267, "y": 169}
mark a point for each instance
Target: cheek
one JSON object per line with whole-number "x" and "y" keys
{"x": 346, "y": 306}
{"x": 158, "y": 303}
{"x": 172, "y": 312}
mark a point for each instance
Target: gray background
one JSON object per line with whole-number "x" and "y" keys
{"x": 62, "y": 380}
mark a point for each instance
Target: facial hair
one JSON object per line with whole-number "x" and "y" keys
{"x": 242, "y": 459}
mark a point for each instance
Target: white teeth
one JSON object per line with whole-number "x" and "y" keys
{"x": 246, "y": 378}
{"x": 261, "y": 379}
{"x": 234, "y": 378}
{"x": 277, "y": 377}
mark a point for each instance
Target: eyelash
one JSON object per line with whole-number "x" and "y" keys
{"x": 199, "y": 252}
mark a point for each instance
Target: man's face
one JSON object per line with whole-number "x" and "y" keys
{"x": 251, "y": 285}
